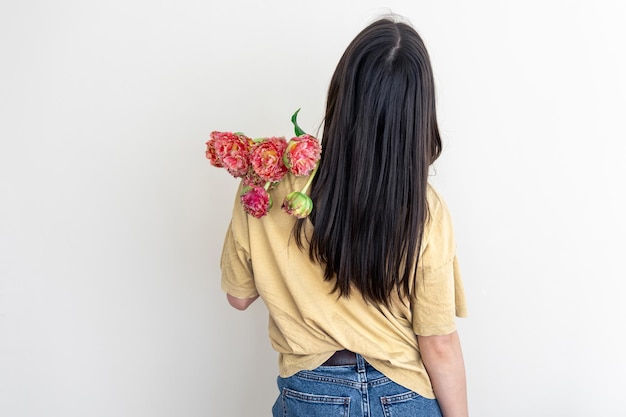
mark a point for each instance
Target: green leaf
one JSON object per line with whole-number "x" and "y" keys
{"x": 296, "y": 128}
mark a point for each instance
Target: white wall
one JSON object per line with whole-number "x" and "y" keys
{"x": 111, "y": 220}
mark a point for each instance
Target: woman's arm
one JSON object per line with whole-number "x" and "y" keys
{"x": 240, "y": 303}
{"x": 443, "y": 359}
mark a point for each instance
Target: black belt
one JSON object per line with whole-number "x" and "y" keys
{"x": 341, "y": 358}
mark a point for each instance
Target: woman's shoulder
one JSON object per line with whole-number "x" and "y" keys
{"x": 438, "y": 212}
{"x": 434, "y": 199}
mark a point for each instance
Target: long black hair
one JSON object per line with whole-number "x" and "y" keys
{"x": 380, "y": 137}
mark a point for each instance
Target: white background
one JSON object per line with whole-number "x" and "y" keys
{"x": 111, "y": 219}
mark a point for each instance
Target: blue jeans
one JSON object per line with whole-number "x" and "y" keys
{"x": 349, "y": 391}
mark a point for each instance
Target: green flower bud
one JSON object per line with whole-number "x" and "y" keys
{"x": 298, "y": 204}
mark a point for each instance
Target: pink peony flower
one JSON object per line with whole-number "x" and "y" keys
{"x": 256, "y": 201}
{"x": 302, "y": 154}
{"x": 267, "y": 159}
{"x": 211, "y": 153}
{"x": 230, "y": 151}
{"x": 298, "y": 204}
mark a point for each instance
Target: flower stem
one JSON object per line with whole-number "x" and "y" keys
{"x": 267, "y": 185}
{"x": 308, "y": 183}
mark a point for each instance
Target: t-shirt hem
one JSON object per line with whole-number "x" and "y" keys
{"x": 236, "y": 292}
{"x": 434, "y": 330}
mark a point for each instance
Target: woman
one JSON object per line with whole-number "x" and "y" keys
{"x": 362, "y": 294}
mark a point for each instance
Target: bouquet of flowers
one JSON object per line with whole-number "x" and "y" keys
{"x": 263, "y": 162}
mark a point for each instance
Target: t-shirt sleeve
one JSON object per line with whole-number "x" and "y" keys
{"x": 236, "y": 263}
{"x": 438, "y": 295}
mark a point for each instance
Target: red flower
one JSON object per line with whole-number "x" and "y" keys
{"x": 211, "y": 153}
{"x": 231, "y": 151}
{"x": 256, "y": 201}
{"x": 302, "y": 154}
{"x": 267, "y": 159}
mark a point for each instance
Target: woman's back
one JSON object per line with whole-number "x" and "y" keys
{"x": 309, "y": 321}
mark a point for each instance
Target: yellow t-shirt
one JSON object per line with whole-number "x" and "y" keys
{"x": 308, "y": 322}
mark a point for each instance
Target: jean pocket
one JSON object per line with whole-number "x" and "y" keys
{"x": 299, "y": 404}
{"x": 409, "y": 404}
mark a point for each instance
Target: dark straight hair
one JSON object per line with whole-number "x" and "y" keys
{"x": 380, "y": 137}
